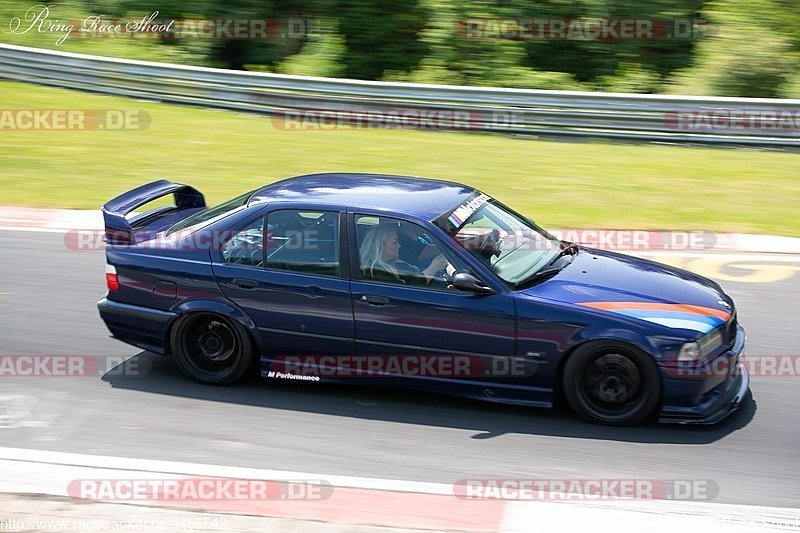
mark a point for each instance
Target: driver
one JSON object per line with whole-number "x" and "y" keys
{"x": 380, "y": 260}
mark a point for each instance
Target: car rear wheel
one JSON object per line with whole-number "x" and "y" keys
{"x": 612, "y": 384}
{"x": 212, "y": 349}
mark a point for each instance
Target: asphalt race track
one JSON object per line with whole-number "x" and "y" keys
{"x": 47, "y": 304}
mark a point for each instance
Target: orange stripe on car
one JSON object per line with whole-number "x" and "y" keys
{"x": 653, "y": 306}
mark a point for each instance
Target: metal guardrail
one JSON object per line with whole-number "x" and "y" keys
{"x": 654, "y": 118}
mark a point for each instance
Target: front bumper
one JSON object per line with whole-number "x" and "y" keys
{"x": 720, "y": 401}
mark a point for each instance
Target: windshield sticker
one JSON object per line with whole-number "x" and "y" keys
{"x": 466, "y": 210}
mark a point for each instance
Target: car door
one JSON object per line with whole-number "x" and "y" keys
{"x": 284, "y": 269}
{"x": 403, "y": 319}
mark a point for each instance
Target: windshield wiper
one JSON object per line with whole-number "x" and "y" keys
{"x": 570, "y": 249}
{"x": 544, "y": 273}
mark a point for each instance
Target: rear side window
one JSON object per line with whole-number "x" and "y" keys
{"x": 303, "y": 241}
{"x": 246, "y": 246}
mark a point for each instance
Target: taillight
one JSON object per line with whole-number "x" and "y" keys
{"x": 112, "y": 281}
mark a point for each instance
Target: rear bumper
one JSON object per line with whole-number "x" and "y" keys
{"x": 140, "y": 326}
{"x": 723, "y": 399}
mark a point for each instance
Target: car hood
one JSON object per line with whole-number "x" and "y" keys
{"x": 637, "y": 288}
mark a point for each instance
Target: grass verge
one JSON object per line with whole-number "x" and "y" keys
{"x": 559, "y": 184}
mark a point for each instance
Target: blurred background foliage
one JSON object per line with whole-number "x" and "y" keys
{"x": 737, "y": 47}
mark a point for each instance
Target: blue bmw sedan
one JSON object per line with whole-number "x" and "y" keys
{"x": 415, "y": 283}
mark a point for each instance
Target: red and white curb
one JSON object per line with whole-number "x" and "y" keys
{"x": 389, "y": 503}
{"x": 49, "y": 220}
{"x": 84, "y": 228}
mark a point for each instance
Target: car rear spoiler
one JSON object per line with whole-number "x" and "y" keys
{"x": 119, "y": 229}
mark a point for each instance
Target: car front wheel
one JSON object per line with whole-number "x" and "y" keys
{"x": 212, "y": 349}
{"x": 612, "y": 384}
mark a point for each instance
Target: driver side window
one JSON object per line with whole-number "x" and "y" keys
{"x": 395, "y": 251}
{"x": 303, "y": 241}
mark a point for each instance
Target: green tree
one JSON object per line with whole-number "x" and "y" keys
{"x": 753, "y": 51}
{"x": 600, "y": 60}
{"x": 380, "y": 35}
{"x": 464, "y": 49}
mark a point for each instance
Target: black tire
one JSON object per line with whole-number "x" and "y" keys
{"x": 612, "y": 384}
{"x": 211, "y": 348}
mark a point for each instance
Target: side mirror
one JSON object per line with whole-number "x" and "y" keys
{"x": 467, "y": 282}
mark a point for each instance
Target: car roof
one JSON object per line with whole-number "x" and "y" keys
{"x": 421, "y": 197}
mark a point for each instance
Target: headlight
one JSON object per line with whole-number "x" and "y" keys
{"x": 692, "y": 351}
{"x": 689, "y": 352}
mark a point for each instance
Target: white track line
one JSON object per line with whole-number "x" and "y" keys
{"x": 649, "y": 516}
{"x": 39, "y": 230}
{"x": 22, "y": 455}
{"x": 46, "y": 472}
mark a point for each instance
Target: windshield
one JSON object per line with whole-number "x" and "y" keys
{"x": 212, "y": 212}
{"x": 512, "y": 246}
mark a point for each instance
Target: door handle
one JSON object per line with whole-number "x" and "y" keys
{"x": 245, "y": 283}
{"x": 374, "y": 300}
